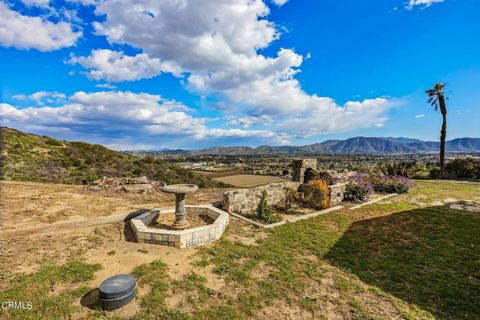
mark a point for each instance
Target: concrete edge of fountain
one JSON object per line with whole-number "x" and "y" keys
{"x": 190, "y": 237}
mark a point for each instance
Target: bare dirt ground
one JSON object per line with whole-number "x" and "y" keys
{"x": 69, "y": 215}
{"x": 27, "y": 204}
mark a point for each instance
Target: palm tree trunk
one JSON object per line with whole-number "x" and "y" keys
{"x": 443, "y": 137}
{"x": 443, "y": 134}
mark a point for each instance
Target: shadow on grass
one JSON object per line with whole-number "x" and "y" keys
{"x": 429, "y": 257}
{"x": 91, "y": 299}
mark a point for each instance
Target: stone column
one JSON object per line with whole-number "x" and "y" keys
{"x": 180, "y": 212}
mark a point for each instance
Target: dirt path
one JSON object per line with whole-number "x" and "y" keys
{"x": 62, "y": 226}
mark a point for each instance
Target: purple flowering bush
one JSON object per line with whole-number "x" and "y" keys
{"x": 362, "y": 186}
{"x": 390, "y": 184}
{"x": 359, "y": 188}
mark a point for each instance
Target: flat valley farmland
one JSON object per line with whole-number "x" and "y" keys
{"x": 248, "y": 180}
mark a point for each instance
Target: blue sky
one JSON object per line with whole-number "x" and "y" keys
{"x": 191, "y": 74}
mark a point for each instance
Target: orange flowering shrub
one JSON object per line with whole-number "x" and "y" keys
{"x": 319, "y": 194}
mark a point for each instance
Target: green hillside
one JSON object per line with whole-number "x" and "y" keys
{"x": 29, "y": 157}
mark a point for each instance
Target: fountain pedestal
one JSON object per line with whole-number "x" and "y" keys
{"x": 180, "y": 191}
{"x": 180, "y": 212}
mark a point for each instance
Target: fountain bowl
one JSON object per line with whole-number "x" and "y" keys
{"x": 180, "y": 188}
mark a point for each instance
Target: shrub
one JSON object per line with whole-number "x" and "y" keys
{"x": 390, "y": 184}
{"x": 359, "y": 188}
{"x": 309, "y": 175}
{"x": 326, "y": 177}
{"x": 91, "y": 178}
{"x": 53, "y": 142}
{"x": 435, "y": 173}
{"x": 418, "y": 171}
{"x": 415, "y": 170}
{"x": 463, "y": 168}
{"x": 317, "y": 194}
{"x": 264, "y": 212}
{"x": 291, "y": 197}
{"x": 394, "y": 168}
{"x": 355, "y": 192}
{"x": 364, "y": 181}
{"x": 77, "y": 162}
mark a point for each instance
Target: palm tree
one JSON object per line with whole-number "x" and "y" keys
{"x": 436, "y": 98}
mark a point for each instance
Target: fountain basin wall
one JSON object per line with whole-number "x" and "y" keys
{"x": 190, "y": 237}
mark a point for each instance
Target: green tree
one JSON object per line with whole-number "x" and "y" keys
{"x": 436, "y": 98}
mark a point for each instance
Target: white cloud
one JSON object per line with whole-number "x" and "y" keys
{"x": 109, "y": 112}
{"x": 279, "y": 2}
{"x": 42, "y": 97}
{"x": 26, "y": 32}
{"x": 418, "y": 116}
{"x": 214, "y": 41}
{"x": 424, "y": 3}
{"x": 325, "y": 116}
{"x": 85, "y": 2}
{"x": 9, "y": 113}
{"x": 105, "y": 86}
{"x": 248, "y": 121}
{"x": 37, "y": 3}
{"x": 114, "y": 66}
{"x": 216, "y": 46}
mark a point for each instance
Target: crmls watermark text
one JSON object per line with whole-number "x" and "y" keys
{"x": 19, "y": 305}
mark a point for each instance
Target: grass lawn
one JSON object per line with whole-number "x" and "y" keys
{"x": 404, "y": 258}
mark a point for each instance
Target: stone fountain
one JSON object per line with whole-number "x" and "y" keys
{"x": 180, "y": 234}
{"x": 180, "y": 191}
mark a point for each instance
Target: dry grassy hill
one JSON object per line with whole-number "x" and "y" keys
{"x": 29, "y": 157}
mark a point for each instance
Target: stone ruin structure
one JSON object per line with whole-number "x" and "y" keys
{"x": 245, "y": 201}
{"x": 301, "y": 166}
{"x": 130, "y": 185}
{"x": 337, "y": 191}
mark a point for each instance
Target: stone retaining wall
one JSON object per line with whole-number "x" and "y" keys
{"x": 245, "y": 201}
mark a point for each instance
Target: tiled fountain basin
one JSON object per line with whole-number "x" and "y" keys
{"x": 190, "y": 237}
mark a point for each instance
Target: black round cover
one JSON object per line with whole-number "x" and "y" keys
{"x": 117, "y": 286}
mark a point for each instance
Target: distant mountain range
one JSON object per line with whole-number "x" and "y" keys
{"x": 357, "y": 145}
